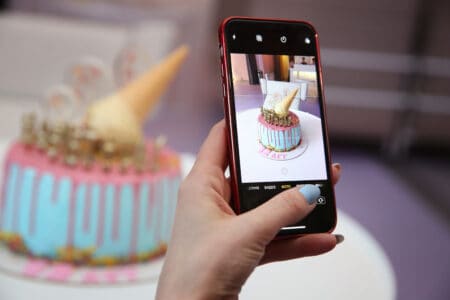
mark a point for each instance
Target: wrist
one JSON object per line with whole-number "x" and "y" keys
{"x": 185, "y": 287}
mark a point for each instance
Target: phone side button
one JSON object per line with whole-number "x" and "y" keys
{"x": 220, "y": 51}
{"x": 224, "y": 90}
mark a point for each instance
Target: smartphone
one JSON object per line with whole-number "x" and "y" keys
{"x": 275, "y": 113}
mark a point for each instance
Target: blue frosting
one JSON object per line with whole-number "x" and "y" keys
{"x": 46, "y": 230}
{"x": 279, "y": 140}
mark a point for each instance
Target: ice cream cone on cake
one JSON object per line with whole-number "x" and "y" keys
{"x": 282, "y": 107}
{"x": 120, "y": 116}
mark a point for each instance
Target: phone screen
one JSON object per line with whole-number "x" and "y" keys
{"x": 277, "y": 114}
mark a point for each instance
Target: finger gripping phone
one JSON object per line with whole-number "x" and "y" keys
{"x": 275, "y": 113}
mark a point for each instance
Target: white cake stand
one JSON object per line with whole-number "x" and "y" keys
{"x": 357, "y": 269}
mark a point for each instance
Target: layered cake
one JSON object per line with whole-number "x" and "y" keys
{"x": 278, "y": 127}
{"x": 95, "y": 192}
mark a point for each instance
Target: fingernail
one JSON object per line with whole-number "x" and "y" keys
{"x": 338, "y": 166}
{"x": 310, "y": 192}
{"x": 339, "y": 238}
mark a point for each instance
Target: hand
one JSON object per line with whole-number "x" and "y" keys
{"x": 212, "y": 251}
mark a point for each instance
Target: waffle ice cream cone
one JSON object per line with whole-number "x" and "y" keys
{"x": 143, "y": 94}
{"x": 282, "y": 108}
{"x": 120, "y": 116}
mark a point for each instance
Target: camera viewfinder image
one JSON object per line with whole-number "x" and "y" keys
{"x": 278, "y": 118}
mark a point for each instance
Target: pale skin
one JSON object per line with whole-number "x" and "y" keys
{"x": 213, "y": 251}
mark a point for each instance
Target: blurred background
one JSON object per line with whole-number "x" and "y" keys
{"x": 386, "y": 71}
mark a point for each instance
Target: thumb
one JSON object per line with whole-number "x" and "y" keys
{"x": 284, "y": 209}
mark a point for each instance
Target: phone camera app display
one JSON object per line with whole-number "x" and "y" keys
{"x": 278, "y": 118}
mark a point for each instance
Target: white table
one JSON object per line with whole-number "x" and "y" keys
{"x": 357, "y": 269}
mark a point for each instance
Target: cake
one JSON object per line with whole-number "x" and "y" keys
{"x": 97, "y": 192}
{"x": 278, "y": 127}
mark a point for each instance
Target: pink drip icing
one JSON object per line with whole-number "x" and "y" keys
{"x": 87, "y": 210}
{"x": 60, "y": 272}
{"x": 90, "y": 277}
{"x": 159, "y": 213}
{"x": 278, "y": 140}
{"x": 150, "y": 204}
{"x": 16, "y": 200}
{"x": 26, "y": 157}
{"x": 33, "y": 205}
{"x": 135, "y": 227}
{"x": 273, "y": 138}
{"x": 289, "y": 138}
{"x": 129, "y": 273}
{"x": 292, "y": 131}
{"x": 111, "y": 276}
{"x": 55, "y": 191}
{"x": 72, "y": 211}
{"x": 101, "y": 216}
{"x": 3, "y": 194}
{"x": 171, "y": 205}
{"x": 116, "y": 214}
{"x": 34, "y": 267}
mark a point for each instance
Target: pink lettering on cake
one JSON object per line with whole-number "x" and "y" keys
{"x": 111, "y": 276}
{"x": 271, "y": 154}
{"x": 278, "y": 156}
{"x": 60, "y": 272}
{"x": 33, "y": 267}
{"x": 129, "y": 273}
{"x": 90, "y": 277}
{"x": 263, "y": 150}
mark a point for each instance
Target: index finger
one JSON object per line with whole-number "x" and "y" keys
{"x": 214, "y": 149}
